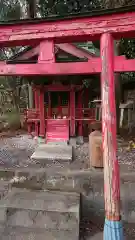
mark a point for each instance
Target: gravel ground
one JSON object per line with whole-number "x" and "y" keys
{"x": 15, "y": 151}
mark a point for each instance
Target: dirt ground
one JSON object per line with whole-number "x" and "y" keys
{"x": 16, "y": 149}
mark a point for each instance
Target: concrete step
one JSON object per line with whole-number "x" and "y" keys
{"x": 23, "y": 211}
{"x": 11, "y": 233}
{"x": 51, "y": 180}
{"x": 89, "y": 183}
{"x": 49, "y": 154}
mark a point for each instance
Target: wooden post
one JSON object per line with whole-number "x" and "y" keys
{"x": 72, "y": 112}
{"x": 59, "y": 106}
{"x": 42, "y": 113}
{"x": 111, "y": 166}
{"x": 86, "y": 99}
{"x": 49, "y": 105}
{"x": 46, "y": 55}
{"x": 36, "y": 103}
{"x": 36, "y": 96}
{"x": 80, "y": 107}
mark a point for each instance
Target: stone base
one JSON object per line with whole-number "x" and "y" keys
{"x": 72, "y": 141}
{"x": 80, "y": 140}
{"x": 40, "y": 215}
{"x": 50, "y": 153}
{"x": 37, "y": 234}
{"x": 58, "y": 143}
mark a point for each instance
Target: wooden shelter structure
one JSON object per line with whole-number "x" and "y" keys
{"x": 63, "y": 99}
{"x": 105, "y": 26}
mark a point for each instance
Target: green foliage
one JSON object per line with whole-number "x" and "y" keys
{"x": 10, "y": 9}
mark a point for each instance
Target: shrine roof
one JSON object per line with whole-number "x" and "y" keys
{"x": 69, "y": 16}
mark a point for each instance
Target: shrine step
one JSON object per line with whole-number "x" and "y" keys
{"x": 39, "y": 215}
{"x": 47, "y": 154}
{"x": 36, "y": 234}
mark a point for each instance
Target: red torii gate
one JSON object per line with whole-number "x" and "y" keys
{"x": 106, "y": 27}
{"x": 66, "y": 47}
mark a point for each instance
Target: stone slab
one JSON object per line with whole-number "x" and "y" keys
{"x": 42, "y": 220}
{"x": 30, "y": 234}
{"x": 97, "y": 236}
{"x": 53, "y": 212}
{"x": 80, "y": 140}
{"x": 49, "y": 153}
{"x": 65, "y": 143}
{"x": 54, "y": 201}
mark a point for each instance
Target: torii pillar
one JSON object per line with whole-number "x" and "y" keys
{"x": 113, "y": 227}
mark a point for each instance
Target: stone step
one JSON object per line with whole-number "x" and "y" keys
{"x": 22, "y": 233}
{"x": 42, "y": 210}
{"x": 50, "y": 180}
{"x": 50, "y": 154}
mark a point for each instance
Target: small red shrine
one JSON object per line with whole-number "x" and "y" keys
{"x": 68, "y": 116}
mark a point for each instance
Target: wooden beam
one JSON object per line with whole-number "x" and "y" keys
{"x": 67, "y": 47}
{"x": 46, "y": 52}
{"x": 81, "y": 29}
{"x": 50, "y": 68}
{"x": 73, "y": 50}
{"x": 91, "y": 67}
{"x": 29, "y": 54}
{"x": 125, "y": 65}
{"x": 111, "y": 166}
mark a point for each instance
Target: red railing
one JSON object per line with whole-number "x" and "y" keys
{"x": 31, "y": 114}
{"x": 85, "y": 114}
{"x": 80, "y": 114}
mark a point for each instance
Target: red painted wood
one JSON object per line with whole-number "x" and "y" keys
{"x": 29, "y": 54}
{"x": 36, "y": 98}
{"x": 67, "y": 47}
{"x": 80, "y": 107}
{"x": 46, "y": 52}
{"x": 72, "y": 113}
{"x": 42, "y": 114}
{"x": 111, "y": 169}
{"x": 87, "y": 28}
{"x": 73, "y": 50}
{"x": 36, "y": 128}
{"x": 57, "y": 130}
{"x": 91, "y": 67}
{"x": 32, "y": 114}
{"x": 49, "y": 105}
{"x": 50, "y": 69}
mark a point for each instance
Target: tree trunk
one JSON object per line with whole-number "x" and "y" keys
{"x": 30, "y": 96}
{"x": 31, "y": 8}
